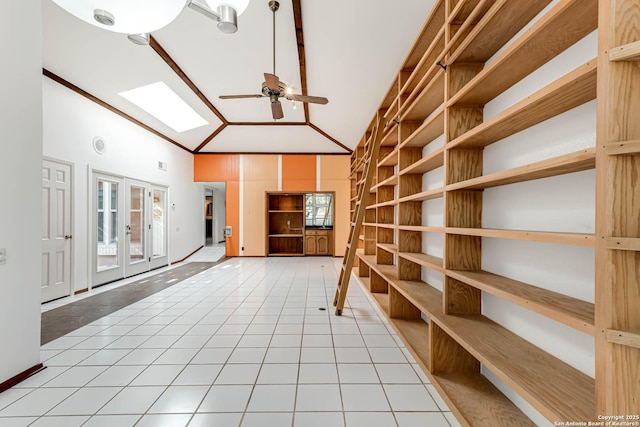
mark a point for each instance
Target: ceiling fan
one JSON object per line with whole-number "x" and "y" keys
{"x": 272, "y": 87}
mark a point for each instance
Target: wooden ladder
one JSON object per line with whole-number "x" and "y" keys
{"x": 370, "y": 163}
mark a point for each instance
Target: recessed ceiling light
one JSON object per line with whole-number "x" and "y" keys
{"x": 164, "y": 104}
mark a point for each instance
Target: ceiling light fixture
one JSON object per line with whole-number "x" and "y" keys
{"x": 140, "y": 17}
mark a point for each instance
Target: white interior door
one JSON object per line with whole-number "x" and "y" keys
{"x": 108, "y": 229}
{"x": 56, "y": 230}
{"x": 136, "y": 228}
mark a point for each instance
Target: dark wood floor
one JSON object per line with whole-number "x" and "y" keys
{"x": 62, "y": 320}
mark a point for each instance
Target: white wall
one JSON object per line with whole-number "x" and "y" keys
{"x": 70, "y": 124}
{"x": 20, "y": 184}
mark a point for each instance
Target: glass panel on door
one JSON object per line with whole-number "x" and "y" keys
{"x": 107, "y": 225}
{"x": 135, "y": 228}
{"x": 159, "y": 230}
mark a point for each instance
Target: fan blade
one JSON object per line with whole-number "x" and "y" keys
{"x": 272, "y": 81}
{"x": 311, "y": 99}
{"x": 239, "y": 96}
{"x": 276, "y": 110}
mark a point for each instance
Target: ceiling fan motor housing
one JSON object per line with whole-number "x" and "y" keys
{"x": 266, "y": 91}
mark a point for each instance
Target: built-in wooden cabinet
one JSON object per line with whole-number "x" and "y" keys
{"x": 285, "y": 224}
{"x": 468, "y": 53}
{"x": 318, "y": 242}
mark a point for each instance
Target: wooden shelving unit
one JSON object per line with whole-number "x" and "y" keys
{"x": 430, "y": 102}
{"x": 285, "y": 224}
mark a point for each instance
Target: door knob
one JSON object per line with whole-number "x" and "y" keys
{"x": 68, "y": 236}
{"x": 128, "y": 227}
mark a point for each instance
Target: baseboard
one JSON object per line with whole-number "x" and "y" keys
{"x": 185, "y": 258}
{"x": 20, "y": 377}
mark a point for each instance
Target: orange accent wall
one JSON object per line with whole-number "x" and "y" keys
{"x": 223, "y": 168}
{"x": 216, "y": 167}
{"x": 334, "y": 176}
{"x": 298, "y": 172}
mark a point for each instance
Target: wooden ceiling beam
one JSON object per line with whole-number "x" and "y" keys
{"x": 297, "y": 18}
{"x": 330, "y": 138}
{"x": 267, "y": 124}
{"x": 108, "y": 106}
{"x": 176, "y": 69}
{"x": 210, "y": 138}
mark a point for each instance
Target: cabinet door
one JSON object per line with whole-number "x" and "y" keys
{"x": 310, "y": 245}
{"x": 322, "y": 245}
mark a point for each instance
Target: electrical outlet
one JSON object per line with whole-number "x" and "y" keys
{"x": 3, "y": 256}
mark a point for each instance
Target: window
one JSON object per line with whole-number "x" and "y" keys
{"x": 319, "y": 210}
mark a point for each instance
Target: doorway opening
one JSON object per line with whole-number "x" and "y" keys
{"x": 215, "y": 194}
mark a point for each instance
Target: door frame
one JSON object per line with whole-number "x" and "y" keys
{"x": 72, "y": 226}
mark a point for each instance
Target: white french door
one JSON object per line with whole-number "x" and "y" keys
{"x": 136, "y": 228}
{"x": 108, "y": 229}
{"x": 130, "y": 228}
{"x": 56, "y": 230}
{"x": 159, "y": 226}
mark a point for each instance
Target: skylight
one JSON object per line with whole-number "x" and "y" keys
{"x": 165, "y": 105}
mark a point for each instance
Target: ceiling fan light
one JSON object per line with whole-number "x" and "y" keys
{"x": 125, "y": 16}
{"x": 228, "y": 22}
{"x": 103, "y": 17}
{"x": 238, "y": 5}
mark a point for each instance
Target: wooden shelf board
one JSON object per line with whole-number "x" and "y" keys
{"x": 415, "y": 335}
{"x": 496, "y": 27}
{"x": 421, "y": 228}
{"x": 570, "y": 91}
{"x": 426, "y": 164}
{"x": 627, "y": 52}
{"x": 427, "y": 101}
{"x": 558, "y": 29}
{"x": 388, "y": 247}
{"x": 426, "y": 260}
{"x": 392, "y": 180}
{"x": 390, "y": 138}
{"x": 430, "y": 129}
{"x": 557, "y": 390}
{"x": 287, "y": 211}
{"x": 286, "y": 235}
{"x": 626, "y": 338}
{"x": 434, "y": 22}
{"x": 623, "y": 148}
{"x": 568, "y": 163}
{"x": 424, "y": 70}
{"x": 385, "y": 204}
{"x": 570, "y": 311}
{"x": 576, "y": 239}
{"x": 623, "y": 243}
{"x": 382, "y": 300}
{"x": 390, "y": 226}
{"x": 473, "y": 398}
{"x": 390, "y": 160}
{"x": 425, "y": 297}
{"x": 425, "y": 195}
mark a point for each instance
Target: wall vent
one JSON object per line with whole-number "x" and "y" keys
{"x": 162, "y": 166}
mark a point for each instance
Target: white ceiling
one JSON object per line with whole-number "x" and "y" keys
{"x": 353, "y": 49}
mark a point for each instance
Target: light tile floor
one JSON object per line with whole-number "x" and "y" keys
{"x": 242, "y": 344}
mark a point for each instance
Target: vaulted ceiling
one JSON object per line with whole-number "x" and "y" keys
{"x": 349, "y": 53}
